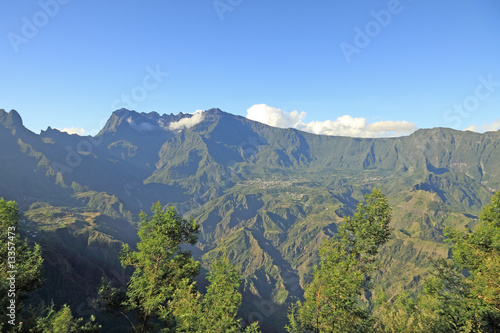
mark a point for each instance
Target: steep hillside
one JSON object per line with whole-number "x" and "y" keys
{"x": 267, "y": 195}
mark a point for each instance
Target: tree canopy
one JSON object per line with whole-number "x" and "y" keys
{"x": 333, "y": 300}
{"x": 462, "y": 294}
{"x": 216, "y": 310}
{"x": 24, "y": 261}
{"x": 159, "y": 261}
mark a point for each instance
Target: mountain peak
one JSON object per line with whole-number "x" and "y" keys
{"x": 215, "y": 110}
{"x": 123, "y": 112}
{"x": 125, "y": 120}
{"x": 10, "y": 119}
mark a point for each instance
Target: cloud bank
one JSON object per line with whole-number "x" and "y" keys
{"x": 73, "y": 130}
{"x": 494, "y": 126}
{"x": 187, "y": 122}
{"x": 343, "y": 126}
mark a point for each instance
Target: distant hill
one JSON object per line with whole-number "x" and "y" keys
{"x": 267, "y": 195}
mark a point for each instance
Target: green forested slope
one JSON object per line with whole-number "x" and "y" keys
{"x": 266, "y": 195}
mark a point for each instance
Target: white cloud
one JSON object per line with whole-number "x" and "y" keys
{"x": 391, "y": 128}
{"x": 187, "y": 122}
{"x": 345, "y": 125}
{"x": 145, "y": 126}
{"x": 472, "y": 128}
{"x": 275, "y": 117}
{"x": 73, "y": 130}
{"x": 494, "y": 126}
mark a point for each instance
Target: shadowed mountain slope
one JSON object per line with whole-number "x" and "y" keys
{"x": 267, "y": 195}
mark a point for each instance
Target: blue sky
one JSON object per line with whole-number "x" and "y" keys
{"x": 408, "y": 64}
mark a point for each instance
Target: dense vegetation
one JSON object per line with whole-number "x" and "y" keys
{"x": 161, "y": 288}
{"x": 21, "y": 272}
{"x": 162, "y": 293}
{"x": 451, "y": 301}
{"x": 346, "y": 261}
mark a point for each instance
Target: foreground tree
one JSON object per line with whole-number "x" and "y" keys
{"x": 48, "y": 320}
{"x": 162, "y": 286}
{"x": 479, "y": 253}
{"x": 21, "y": 272}
{"x": 333, "y": 299}
{"x": 400, "y": 316}
{"x": 20, "y": 268}
{"x": 452, "y": 302}
{"x": 216, "y": 310}
{"x": 160, "y": 263}
{"x": 446, "y": 305}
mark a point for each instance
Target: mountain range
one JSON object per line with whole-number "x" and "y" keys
{"x": 266, "y": 195}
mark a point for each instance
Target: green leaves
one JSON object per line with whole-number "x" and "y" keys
{"x": 160, "y": 263}
{"x": 185, "y": 307}
{"x": 21, "y": 263}
{"x": 222, "y": 300}
{"x": 162, "y": 284}
{"x": 9, "y": 214}
{"x": 332, "y": 299}
{"x": 449, "y": 295}
{"x": 62, "y": 321}
{"x": 216, "y": 310}
{"x": 452, "y": 302}
{"x": 479, "y": 253}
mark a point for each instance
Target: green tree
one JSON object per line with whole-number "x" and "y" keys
{"x": 186, "y": 307}
{"x": 449, "y": 297}
{"x": 333, "y": 299}
{"x": 446, "y": 305}
{"x": 26, "y": 263}
{"x": 222, "y": 300}
{"x": 479, "y": 253}
{"x": 62, "y": 321}
{"x": 21, "y": 265}
{"x": 160, "y": 263}
{"x": 400, "y": 316}
{"x": 216, "y": 310}
{"x": 451, "y": 301}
